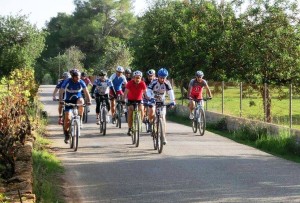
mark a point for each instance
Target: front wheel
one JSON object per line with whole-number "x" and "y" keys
{"x": 137, "y": 129}
{"x": 76, "y": 134}
{"x": 103, "y": 120}
{"x": 85, "y": 114}
{"x": 159, "y": 136}
{"x": 154, "y": 135}
{"x": 201, "y": 122}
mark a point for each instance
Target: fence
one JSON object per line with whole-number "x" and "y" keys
{"x": 274, "y": 104}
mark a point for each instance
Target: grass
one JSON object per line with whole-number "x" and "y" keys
{"x": 47, "y": 170}
{"x": 252, "y": 104}
{"x": 283, "y": 146}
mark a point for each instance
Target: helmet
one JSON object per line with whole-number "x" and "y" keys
{"x": 102, "y": 73}
{"x": 137, "y": 73}
{"x": 74, "y": 72}
{"x": 83, "y": 74}
{"x": 163, "y": 72}
{"x": 66, "y": 75}
{"x": 151, "y": 72}
{"x": 127, "y": 71}
{"x": 199, "y": 73}
{"x": 120, "y": 69}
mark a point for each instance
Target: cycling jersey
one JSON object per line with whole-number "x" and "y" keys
{"x": 87, "y": 81}
{"x": 102, "y": 87}
{"x": 197, "y": 88}
{"x": 73, "y": 89}
{"x": 118, "y": 81}
{"x": 135, "y": 90}
{"x": 60, "y": 82}
{"x": 158, "y": 90}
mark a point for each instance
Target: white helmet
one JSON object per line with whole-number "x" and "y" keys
{"x": 120, "y": 69}
{"x": 137, "y": 73}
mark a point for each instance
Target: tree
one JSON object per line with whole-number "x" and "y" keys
{"x": 20, "y": 43}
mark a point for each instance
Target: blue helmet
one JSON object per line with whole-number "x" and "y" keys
{"x": 163, "y": 72}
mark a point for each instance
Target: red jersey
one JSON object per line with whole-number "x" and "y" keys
{"x": 135, "y": 90}
{"x": 197, "y": 88}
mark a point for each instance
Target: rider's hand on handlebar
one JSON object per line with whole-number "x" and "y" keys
{"x": 61, "y": 102}
{"x": 54, "y": 98}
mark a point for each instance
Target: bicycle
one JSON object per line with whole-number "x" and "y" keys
{"x": 103, "y": 114}
{"x": 119, "y": 111}
{"x": 199, "y": 120}
{"x": 136, "y": 124}
{"x": 74, "y": 126}
{"x": 85, "y": 114}
{"x": 158, "y": 131}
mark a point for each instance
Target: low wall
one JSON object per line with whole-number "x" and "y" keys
{"x": 234, "y": 123}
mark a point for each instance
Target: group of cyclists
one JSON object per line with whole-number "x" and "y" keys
{"x": 130, "y": 86}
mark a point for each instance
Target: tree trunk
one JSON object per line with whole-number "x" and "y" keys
{"x": 267, "y": 103}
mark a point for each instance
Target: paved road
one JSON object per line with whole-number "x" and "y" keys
{"x": 190, "y": 169}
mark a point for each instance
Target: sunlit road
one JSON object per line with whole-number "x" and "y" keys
{"x": 190, "y": 169}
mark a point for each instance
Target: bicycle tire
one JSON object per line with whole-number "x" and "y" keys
{"x": 201, "y": 122}
{"x": 71, "y": 129}
{"x": 104, "y": 114}
{"x": 159, "y": 137}
{"x": 126, "y": 118}
{"x": 195, "y": 120}
{"x": 119, "y": 115}
{"x": 154, "y": 135}
{"x": 76, "y": 134}
{"x": 137, "y": 129}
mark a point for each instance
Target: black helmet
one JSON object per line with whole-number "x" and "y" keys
{"x": 127, "y": 71}
{"x": 102, "y": 73}
{"x": 74, "y": 72}
{"x": 83, "y": 74}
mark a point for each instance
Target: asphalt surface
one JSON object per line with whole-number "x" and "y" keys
{"x": 190, "y": 169}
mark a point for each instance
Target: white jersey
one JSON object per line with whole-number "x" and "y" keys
{"x": 158, "y": 90}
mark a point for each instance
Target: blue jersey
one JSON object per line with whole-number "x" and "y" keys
{"x": 73, "y": 90}
{"x": 102, "y": 87}
{"x": 118, "y": 81}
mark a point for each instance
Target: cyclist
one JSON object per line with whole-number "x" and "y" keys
{"x": 150, "y": 77}
{"x": 127, "y": 76}
{"x": 65, "y": 76}
{"x": 87, "y": 82}
{"x": 195, "y": 91}
{"x": 100, "y": 91}
{"x": 156, "y": 91}
{"x": 135, "y": 89}
{"x": 117, "y": 79}
{"x": 73, "y": 94}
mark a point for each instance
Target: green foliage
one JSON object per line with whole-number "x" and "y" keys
{"x": 20, "y": 43}
{"x": 16, "y": 122}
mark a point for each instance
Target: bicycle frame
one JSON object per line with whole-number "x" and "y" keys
{"x": 199, "y": 121}
{"x": 74, "y": 126}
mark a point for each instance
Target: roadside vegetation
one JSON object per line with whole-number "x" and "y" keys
{"x": 282, "y": 145}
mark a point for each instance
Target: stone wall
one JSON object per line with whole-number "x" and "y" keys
{"x": 21, "y": 184}
{"x": 234, "y": 123}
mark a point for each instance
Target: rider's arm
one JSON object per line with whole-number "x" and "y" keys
{"x": 93, "y": 89}
{"x": 208, "y": 91}
{"x": 61, "y": 93}
{"x": 87, "y": 95}
{"x": 54, "y": 92}
{"x": 189, "y": 89}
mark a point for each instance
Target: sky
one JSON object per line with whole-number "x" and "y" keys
{"x": 40, "y": 11}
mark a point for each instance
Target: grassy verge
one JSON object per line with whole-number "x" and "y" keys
{"x": 47, "y": 171}
{"x": 283, "y": 146}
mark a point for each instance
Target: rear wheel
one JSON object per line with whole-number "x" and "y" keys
{"x": 103, "y": 123}
{"x": 201, "y": 122}
{"x": 137, "y": 129}
{"x": 71, "y": 135}
{"x": 159, "y": 138}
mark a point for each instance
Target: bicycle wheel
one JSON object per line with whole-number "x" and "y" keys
{"x": 76, "y": 134}
{"x": 103, "y": 122}
{"x": 159, "y": 138}
{"x": 137, "y": 129}
{"x": 71, "y": 129}
{"x": 201, "y": 122}
{"x": 154, "y": 135}
{"x": 85, "y": 115}
{"x": 195, "y": 121}
{"x": 119, "y": 115}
